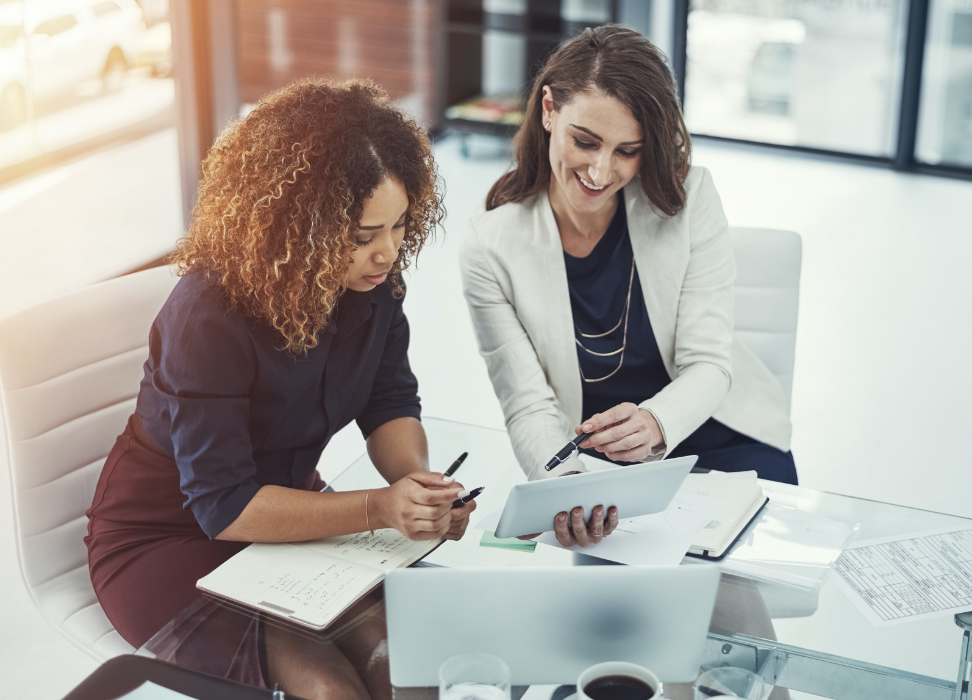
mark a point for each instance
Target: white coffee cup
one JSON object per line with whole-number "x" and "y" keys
{"x": 618, "y": 668}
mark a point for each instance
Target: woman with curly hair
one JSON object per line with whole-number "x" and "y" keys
{"x": 287, "y": 325}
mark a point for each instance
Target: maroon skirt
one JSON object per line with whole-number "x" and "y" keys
{"x": 145, "y": 554}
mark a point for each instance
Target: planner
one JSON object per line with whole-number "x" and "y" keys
{"x": 743, "y": 499}
{"x": 312, "y": 583}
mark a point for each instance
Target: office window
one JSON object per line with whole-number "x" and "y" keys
{"x": 105, "y": 8}
{"x": 945, "y": 117}
{"x": 823, "y": 75}
{"x": 75, "y": 82}
{"x": 57, "y": 25}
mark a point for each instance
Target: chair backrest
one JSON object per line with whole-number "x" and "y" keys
{"x": 768, "y": 297}
{"x": 69, "y": 374}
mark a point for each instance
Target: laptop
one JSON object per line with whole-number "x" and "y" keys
{"x": 549, "y": 624}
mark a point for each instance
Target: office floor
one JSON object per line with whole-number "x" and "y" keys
{"x": 879, "y": 400}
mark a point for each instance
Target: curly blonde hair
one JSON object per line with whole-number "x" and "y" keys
{"x": 282, "y": 193}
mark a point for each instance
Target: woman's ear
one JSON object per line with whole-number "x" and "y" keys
{"x": 547, "y": 106}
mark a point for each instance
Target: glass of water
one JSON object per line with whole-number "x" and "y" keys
{"x": 730, "y": 682}
{"x": 474, "y": 677}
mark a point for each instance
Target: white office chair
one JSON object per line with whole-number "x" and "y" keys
{"x": 768, "y": 297}
{"x": 69, "y": 374}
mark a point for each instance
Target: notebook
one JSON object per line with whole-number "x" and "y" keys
{"x": 744, "y": 500}
{"x": 312, "y": 583}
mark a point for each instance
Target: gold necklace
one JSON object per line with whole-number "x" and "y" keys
{"x": 624, "y": 340}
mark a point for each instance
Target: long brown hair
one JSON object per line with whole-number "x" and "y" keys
{"x": 282, "y": 194}
{"x": 623, "y": 64}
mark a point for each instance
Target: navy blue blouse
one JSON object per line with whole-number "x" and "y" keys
{"x": 237, "y": 412}
{"x": 598, "y": 285}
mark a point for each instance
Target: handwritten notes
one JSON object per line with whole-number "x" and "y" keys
{"x": 384, "y": 550}
{"x": 312, "y": 583}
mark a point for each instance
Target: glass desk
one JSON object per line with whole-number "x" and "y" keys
{"x": 819, "y": 644}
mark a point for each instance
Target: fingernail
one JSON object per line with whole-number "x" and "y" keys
{"x": 449, "y": 478}
{"x": 561, "y": 517}
{"x": 463, "y": 494}
{"x": 587, "y": 427}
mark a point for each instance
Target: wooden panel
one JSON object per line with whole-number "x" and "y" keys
{"x": 389, "y": 41}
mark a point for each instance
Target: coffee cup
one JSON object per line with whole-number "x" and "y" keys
{"x": 618, "y": 680}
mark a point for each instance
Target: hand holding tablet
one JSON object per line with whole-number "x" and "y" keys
{"x": 632, "y": 491}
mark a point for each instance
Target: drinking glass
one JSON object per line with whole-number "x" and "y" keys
{"x": 729, "y": 682}
{"x": 474, "y": 677}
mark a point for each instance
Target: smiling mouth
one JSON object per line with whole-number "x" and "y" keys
{"x": 590, "y": 186}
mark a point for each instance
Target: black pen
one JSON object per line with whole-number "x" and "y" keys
{"x": 463, "y": 500}
{"x": 455, "y": 465}
{"x": 565, "y": 453}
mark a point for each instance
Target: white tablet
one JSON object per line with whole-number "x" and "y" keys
{"x": 640, "y": 489}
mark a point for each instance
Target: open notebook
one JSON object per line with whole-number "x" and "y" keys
{"x": 744, "y": 499}
{"x": 312, "y": 583}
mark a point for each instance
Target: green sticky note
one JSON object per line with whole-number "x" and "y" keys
{"x": 491, "y": 540}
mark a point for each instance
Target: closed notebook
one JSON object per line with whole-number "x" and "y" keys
{"x": 312, "y": 583}
{"x": 744, "y": 499}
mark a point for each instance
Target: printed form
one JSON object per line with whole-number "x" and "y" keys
{"x": 895, "y": 579}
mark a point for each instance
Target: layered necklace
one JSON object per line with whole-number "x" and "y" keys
{"x": 624, "y": 339}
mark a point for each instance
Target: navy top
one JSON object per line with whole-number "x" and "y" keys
{"x": 598, "y": 285}
{"x": 237, "y": 412}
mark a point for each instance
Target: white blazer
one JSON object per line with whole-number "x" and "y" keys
{"x": 515, "y": 284}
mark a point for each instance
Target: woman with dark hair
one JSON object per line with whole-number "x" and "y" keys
{"x": 287, "y": 325}
{"x": 600, "y": 283}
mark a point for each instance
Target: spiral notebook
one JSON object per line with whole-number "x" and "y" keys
{"x": 312, "y": 583}
{"x": 744, "y": 500}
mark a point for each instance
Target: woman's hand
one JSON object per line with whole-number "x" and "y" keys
{"x": 460, "y": 520}
{"x": 419, "y": 505}
{"x": 576, "y": 531}
{"x": 624, "y": 433}
{"x": 571, "y": 529}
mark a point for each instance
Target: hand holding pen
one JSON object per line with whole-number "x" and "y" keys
{"x": 625, "y": 433}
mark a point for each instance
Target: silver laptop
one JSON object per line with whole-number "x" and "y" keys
{"x": 549, "y": 624}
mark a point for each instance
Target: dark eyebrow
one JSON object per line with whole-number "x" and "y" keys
{"x": 378, "y": 228}
{"x": 595, "y": 136}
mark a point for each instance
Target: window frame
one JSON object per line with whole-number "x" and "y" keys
{"x": 909, "y": 90}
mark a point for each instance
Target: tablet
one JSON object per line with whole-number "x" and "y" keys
{"x": 640, "y": 489}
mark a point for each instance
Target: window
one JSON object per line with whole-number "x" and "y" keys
{"x": 945, "y": 120}
{"x": 800, "y": 73}
{"x": 57, "y": 25}
{"x": 9, "y": 36}
{"x": 103, "y": 8}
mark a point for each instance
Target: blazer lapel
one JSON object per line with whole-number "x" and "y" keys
{"x": 558, "y": 337}
{"x": 661, "y": 259}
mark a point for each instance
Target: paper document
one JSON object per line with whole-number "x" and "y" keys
{"x": 897, "y": 579}
{"x": 657, "y": 539}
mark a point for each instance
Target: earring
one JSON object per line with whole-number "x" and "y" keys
{"x": 547, "y": 126}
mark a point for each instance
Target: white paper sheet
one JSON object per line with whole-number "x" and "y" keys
{"x": 658, "y": 539}
{"x": 150, "y": 691}
{"x": 787, "y": 545}
{"x": 898, "y": 579}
